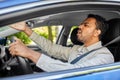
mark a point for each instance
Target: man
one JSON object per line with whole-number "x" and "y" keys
{"x": 90, "y": 32}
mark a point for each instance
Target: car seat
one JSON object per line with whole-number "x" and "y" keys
{"x": 73, "y": 37}
{"x": 113, "y": 32}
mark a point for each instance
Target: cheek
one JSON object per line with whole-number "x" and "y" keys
{"x": 88, "y": 33}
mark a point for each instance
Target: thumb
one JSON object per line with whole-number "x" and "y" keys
{"x": 14, "y": 39}
{"x": 17, "y": 40}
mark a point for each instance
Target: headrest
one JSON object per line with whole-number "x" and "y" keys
{"x": 73, "y": 37}
{"x": 113, "y": 31}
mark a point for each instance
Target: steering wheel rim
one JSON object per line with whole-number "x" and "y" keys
{"x": 24, "y": 65}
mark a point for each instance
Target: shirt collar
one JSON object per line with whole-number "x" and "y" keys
{"x": 94, "y": 46}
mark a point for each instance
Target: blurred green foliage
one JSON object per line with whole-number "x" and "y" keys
{"x": 23, "y": 37}
{"x": 43, "y": 31}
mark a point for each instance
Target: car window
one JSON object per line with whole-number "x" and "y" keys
{"x": 49, "y": 32}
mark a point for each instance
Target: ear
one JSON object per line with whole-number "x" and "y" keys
{"x": 97, "y": 32}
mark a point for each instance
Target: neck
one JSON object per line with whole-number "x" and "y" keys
{"x": 90, "y": 42}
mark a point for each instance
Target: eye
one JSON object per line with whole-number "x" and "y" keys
{"x": 86, "y": 25}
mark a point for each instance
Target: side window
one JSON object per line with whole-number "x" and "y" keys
{"x": 49, "y": 32}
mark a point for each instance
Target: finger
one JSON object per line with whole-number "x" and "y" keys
{"x": 13, "y": 26}
{"x": 17, "y": 40}
{"x": 13, "y": 44}
{"x": 13, "y": 50}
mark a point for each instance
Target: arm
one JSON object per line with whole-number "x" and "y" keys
{"x": 54, "y": 50}
{"x": 57, "y": 51}
{"x": 19, "y": 49}
{"x": 48, "y": 64}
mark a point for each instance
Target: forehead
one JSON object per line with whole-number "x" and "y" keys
{"x": 90, "y": 20}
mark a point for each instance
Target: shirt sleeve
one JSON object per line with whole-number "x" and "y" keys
{"x": 54, "y": 50}
{"x": 49, "y": 64}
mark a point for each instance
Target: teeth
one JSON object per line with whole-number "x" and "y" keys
{"x": 80, "y": 31}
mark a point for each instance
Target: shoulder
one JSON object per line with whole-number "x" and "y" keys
{"x": 104, "y": 51}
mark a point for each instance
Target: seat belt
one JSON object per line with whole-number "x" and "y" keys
{"x": 80, "y": 57}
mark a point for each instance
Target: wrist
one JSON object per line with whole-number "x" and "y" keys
{"x": 34, "y": 56}
{"x": 28, "y": 31}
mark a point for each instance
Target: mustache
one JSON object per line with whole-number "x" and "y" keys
{"x": 79, "y": 31}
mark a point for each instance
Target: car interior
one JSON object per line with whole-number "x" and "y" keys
{"x": 67, "y": 19}
{"x": 112, "y": 33}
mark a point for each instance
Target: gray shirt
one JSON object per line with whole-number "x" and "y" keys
{"x": 101, "y": 56}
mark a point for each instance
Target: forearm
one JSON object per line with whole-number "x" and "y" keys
{"x": 28, "y": 31}
{"x": 49, "y": 64}
{"x": 33, "y": 56}
{"x": 53, "y": 50}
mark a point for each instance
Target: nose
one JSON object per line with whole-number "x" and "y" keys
{"x": 79, "y": 29}
{"x": 80, "y": 26}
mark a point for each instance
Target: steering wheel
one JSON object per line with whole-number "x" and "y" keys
{"x": 23, "y": 63}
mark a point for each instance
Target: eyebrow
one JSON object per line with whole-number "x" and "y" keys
{"x": 84, "y": 23}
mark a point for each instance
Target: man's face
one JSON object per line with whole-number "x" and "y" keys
{"x": 87, "y": 30}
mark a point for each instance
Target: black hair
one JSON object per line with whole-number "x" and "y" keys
{"x": 101, "y": 23}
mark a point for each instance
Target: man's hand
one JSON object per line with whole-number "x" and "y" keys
{"x": 19, "y": 26}
{"x": 19, "y": 49}
{"x": 22, "y": 26}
